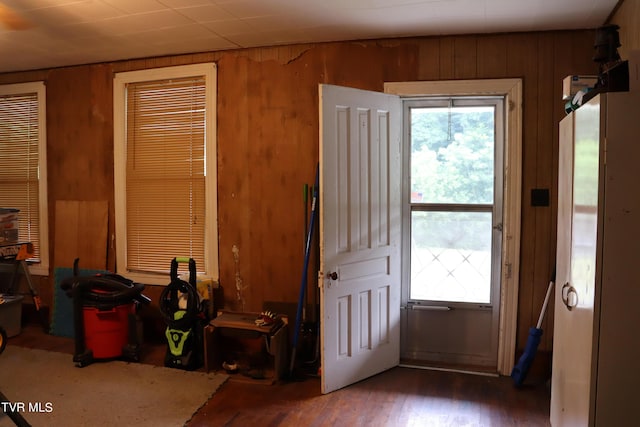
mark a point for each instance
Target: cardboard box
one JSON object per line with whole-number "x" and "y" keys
{"x": 8, "y": 225}
{"x": 11, "y": 314}
{"x": 571, "y": 85}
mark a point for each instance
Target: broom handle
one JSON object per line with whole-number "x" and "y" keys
{"x": 544, "y": 305}
{"x": 303, "y": 282}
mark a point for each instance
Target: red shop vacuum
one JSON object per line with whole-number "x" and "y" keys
{"x": 105, "y": 310}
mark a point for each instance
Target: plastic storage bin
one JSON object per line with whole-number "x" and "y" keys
{"x": 8, "y": 225}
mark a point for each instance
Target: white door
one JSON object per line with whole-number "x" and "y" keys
{"x": 562, "y": 319}
{"x": 360, "y": 229}
{"x": 577, "y": 254}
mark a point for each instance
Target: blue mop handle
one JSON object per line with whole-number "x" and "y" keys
{"x": 307, "y": 251}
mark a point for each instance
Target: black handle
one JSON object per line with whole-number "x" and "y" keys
{"x": 192, "y": 269}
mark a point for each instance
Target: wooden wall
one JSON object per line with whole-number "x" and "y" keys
{"x": 268, "y": 140}
{"x": 627, "y": 16}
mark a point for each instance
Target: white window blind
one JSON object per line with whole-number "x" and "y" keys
{"x": 165, "y": 173}
{"x": 19, "y": 163}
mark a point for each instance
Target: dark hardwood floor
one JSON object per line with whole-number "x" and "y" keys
{"x": 398, "y": 397}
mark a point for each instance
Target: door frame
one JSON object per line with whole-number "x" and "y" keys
{"x": 511, "y": 89}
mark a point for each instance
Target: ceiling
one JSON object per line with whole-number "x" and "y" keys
{"x": 37, "y": 34}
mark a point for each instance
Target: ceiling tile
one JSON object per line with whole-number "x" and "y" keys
{"x": 253, "y": 8}
{"x": 229, "y": 27}
{"x": 205, "y": 13}
{"x": 68, "y": 32}
{"x": 141, "y": 22}
{"x": 136, "y": 6}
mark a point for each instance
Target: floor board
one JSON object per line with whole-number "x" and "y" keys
{"x": 398, "y": 397}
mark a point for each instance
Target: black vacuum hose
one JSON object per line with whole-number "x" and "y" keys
{"x": 103, "y": 290}
{"x": 169, "y": 300}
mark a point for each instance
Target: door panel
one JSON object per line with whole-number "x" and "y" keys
{"x": 359, "y": 234}
{"x": 432, "y": 323}
{"x": 561, "y": 315}
{"x": 578, "y": 345}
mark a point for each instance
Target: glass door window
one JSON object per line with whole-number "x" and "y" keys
{"x": 454, "y": 211}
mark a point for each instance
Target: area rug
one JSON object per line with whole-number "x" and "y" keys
{"x": 49, "y": 390}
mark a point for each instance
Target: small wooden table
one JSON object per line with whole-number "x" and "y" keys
{"x": 260, "y": 352}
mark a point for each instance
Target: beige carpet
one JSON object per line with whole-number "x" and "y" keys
{"x": 57, "y": 393}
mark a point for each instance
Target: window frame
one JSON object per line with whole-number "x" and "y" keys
{"x": 40, "y": 268}
{"x": 209, "y": 71}
{"x": 495, "y": 207}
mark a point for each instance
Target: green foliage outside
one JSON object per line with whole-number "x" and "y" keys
{"x": 452, "y": 162}
{"x": 469, "y": 231}
{"x": 452, "y": 154}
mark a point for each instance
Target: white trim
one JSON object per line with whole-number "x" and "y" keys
{"x": 458, "y": 371}
{"x": 511, "y": 89}
{"x": 209, "y": 71}
{"x": 39, "y": 88}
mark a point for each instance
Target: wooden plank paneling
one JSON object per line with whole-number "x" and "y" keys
{"x": 268, "y": 138}
{"x": 465, "y": 58}
{"x": 447, "y": 58}
{"x": 81, "y": 232}
{"x": 235, "y": 171}
{"x": 80, "y": 137}
{"x": 80, "y": 133}
{"x": 546, "y": 178}
{"x": 429, "y": 59}
{"x": 525, "y": 66}
{"x": 627, "y": 16}
{"x": 492, "y": 56}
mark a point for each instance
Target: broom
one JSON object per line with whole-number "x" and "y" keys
{"x": 303, "y": 281}
{"x": 520, "y": 370}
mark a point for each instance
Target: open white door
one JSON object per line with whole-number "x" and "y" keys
{"x": 360, "y": 231}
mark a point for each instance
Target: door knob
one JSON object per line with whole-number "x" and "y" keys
{"x": 569, "y": 296}
{"x": 333, "y": 276}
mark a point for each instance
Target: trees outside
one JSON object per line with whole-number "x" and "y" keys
{"x": 452, "y": 162}
{"x": 452, "y": 155}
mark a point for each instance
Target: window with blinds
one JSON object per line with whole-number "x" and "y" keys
{"x": 165, "y": 157}
{"x": 23, "y": 162}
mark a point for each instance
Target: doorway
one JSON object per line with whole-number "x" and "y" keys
{"x": 360, "y": 274}
{"x": 511, "y": 91}
{"x": 452, "y": 230}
